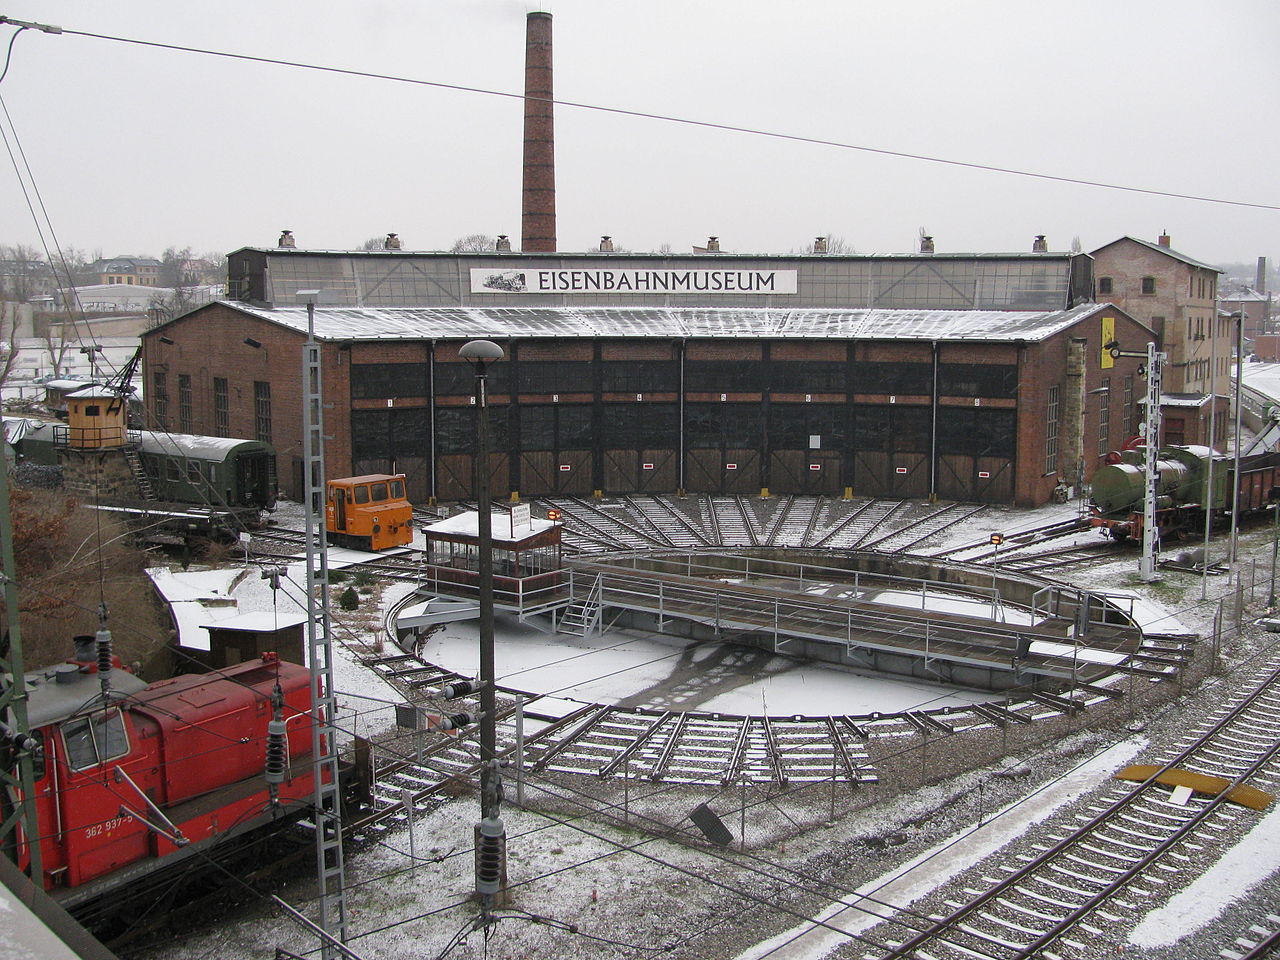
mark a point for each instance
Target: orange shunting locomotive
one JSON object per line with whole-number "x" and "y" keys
{"x": 368, "y": 512}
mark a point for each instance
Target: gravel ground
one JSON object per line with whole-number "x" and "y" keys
{"x": 647, "y": 883}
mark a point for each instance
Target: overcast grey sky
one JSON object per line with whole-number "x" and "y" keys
{"x": 135, "y": 149}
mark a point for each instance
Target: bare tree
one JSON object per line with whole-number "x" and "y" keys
{"x": 373, "y": 243}
{"x": 474, "y": 243}
{"x": 55, "y": 343}
{"x": 180, "y": 275}
{"x": 22, "y": 268}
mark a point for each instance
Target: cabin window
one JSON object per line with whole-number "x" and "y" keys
{"x": 95, "y": 739}
{"x": 361, "y": 495}
{"x": 397, "y": 489}
{"x": 378, "y": 492}
{"x": 93, "y": 410}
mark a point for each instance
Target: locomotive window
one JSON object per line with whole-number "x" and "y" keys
{"x": 171, "y": 471}
{"x": 397, "y": 489}
{"x": 361, "y": 495}
{"x": 379, "y": 492}
{"x": 193, "y": 472}
{"x": 95, "y": 739}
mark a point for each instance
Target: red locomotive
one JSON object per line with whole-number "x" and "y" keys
{"x": 134, "y": 777}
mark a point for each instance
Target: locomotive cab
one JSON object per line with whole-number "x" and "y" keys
{"x": 369, "y": 512}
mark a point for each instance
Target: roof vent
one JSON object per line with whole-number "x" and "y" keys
{"x": 392, "y": 242}
{"x": 819, "y": 244}
{"x": 286, "y": 239}
{"x": 713, "y": 244}
{"x": 1039, "y": 244}
{"x": 926, "y": 244}
{"x": 504, "y": 243}
{"x": 606, "y": 244}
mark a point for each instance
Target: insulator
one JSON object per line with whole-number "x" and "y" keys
{"x": 490, "y": 856}
{"x": 460, "y": 688}
{"x": 104, "y": 651}
{"x": 275, "y": 751}
{"x": 456, "y": 721}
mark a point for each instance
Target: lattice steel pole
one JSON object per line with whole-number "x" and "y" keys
{"x": 330, "y": 873}
{"x": 14, "y": 729}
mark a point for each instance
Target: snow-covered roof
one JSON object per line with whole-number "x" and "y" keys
{"x": 428, "y": 323}
{"x": 262, "y": 621}
{"x": 467, "y": 524}
{"x": 186, "y": 445}
{"x": 1192, "y": 400}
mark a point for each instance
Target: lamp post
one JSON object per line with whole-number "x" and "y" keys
{"x": 1235, "y": 489}
{"x": 492, "y": 840}
{"x": 1274, "y": 496}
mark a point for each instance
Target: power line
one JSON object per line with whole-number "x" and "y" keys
{"x": 667, "y": 118}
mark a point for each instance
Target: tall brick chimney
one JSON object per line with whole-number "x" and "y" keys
{"x": 538, "y": 212}
{"x": 1164, "y": 239}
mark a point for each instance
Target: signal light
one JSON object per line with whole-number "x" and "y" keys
{"x": 997, "y": 538}
{"x": 554, "y": 514}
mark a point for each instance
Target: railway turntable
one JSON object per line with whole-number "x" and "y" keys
{"x": 886, "y": 613}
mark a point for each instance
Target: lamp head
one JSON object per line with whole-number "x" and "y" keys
{"x": 481, "y": 351}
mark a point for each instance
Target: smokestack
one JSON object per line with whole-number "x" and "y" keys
{"x": 1164, "y": 239}
{"x": 1260, "y": 278}
{"x": 1040, "y": 244}
{"x": 926, "y": 244}
{"x": 538, "y": 214}
{"x": 286, "y": 239}
{"x": 819, "y": 244}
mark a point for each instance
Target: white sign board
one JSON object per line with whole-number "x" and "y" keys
{"x": 520, "y": 518}
{"x": 519, "y": 279}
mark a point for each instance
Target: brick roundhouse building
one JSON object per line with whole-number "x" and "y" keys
{"x": 969, "y": 377}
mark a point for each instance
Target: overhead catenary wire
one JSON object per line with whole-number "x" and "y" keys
{"x": 666, "y": 118}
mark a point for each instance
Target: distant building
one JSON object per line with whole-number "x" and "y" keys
{"x": 1255, "y": 307}
{"x": 1176, "y": 296}
{"x": 135, "y": 271}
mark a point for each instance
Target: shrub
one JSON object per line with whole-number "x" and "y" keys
{"x": 350, "y": 600}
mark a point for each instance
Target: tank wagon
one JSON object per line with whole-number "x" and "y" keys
{"x": 1186, "y": 488}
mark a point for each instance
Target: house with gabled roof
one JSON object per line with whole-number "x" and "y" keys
{"x": 1176, "y": 296}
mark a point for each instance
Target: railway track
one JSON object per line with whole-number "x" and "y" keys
{"x": 1127, "y": 849}
{"x": 1261, "y": 940}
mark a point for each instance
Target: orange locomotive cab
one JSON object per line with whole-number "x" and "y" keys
{"x": 368, "y": 512}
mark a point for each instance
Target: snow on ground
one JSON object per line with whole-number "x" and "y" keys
{"x": 613, "y": 883}
{"x": 621, "y": 666}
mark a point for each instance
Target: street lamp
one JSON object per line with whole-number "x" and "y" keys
{"x": 492, "y": 839}
{"x": 1273, "y": 495}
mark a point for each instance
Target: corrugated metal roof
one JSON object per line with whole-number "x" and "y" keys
{"x": 456, "y": 323}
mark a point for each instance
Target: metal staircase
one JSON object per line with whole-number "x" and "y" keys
{"x": 582, "y": 616}
{"x": 140, "y": 477}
